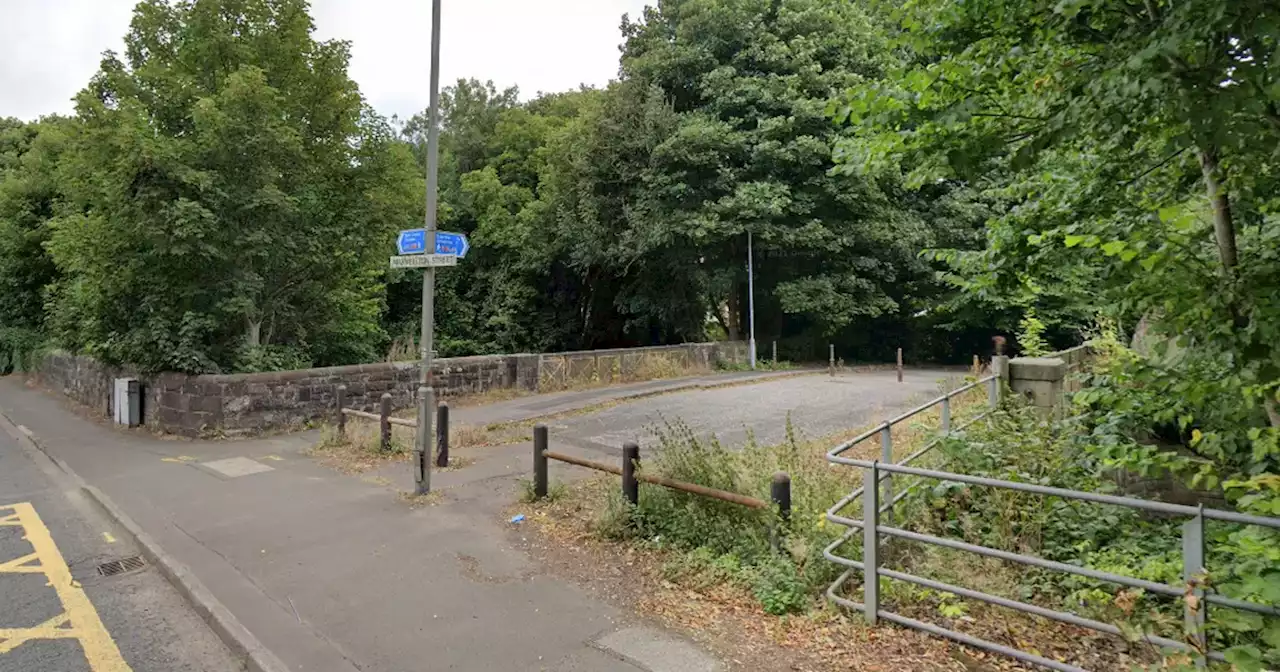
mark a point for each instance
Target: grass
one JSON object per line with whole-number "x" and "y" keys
{"x": 727, "y": 555}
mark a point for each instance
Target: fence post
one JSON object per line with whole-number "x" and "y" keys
{"x": 886, "y": 455}
{"x": 385, "y": 412}
{"x": 870, "y": 546}
{"x": 1000, "y": 371}
{"x": 342, "y": 417}
{"x": 539, "y": 461}
{"x": 899, "y": 365}
{"x": 1194, "y": 607}
{"x": 442, "y": 435}
{"x": 831, "y": 360}
{"x": 630, "y": 460}
{"x": 946, "y": 413}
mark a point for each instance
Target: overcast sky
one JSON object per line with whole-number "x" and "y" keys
{"x": 50, "y": 48}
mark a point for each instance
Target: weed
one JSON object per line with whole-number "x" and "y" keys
{"x": 556, "y": 491}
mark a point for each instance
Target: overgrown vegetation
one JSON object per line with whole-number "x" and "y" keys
{"x": 224, "y": 200}
{"x": 781, "y": 564}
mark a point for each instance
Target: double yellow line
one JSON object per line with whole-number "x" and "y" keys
{"x": 79, "y": 620}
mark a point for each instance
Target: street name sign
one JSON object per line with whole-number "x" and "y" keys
{"x": 424, "y": 261}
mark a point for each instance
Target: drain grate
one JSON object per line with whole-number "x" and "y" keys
{"x": 120, "y": 566}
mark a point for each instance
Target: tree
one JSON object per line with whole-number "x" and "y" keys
{"x": 750, "y": 81}
{"x": 30, "y": 194}
{"x": 232, "y": 197}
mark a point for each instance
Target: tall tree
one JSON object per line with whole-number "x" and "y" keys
{"x": 232, "y": 194}
{"x": 750, "y": 81}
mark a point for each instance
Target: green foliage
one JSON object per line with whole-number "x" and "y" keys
{"x": 224, "y": 212}
{"x": 1031, "y": 335}
{"x": 1243, "y": 561}
{"x": 719, "y": 542}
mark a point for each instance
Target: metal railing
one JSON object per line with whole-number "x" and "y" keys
{"x": 875, "y": 534}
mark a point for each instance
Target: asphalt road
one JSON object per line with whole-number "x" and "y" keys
{"x": 817, "y": 406}
{"x": 57, "y": 612}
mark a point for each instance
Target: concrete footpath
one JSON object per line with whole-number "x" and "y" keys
{"x": 335, "y": 573}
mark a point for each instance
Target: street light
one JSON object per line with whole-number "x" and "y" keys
{"x": 751, "y": 303}
{"x": 426, "y": 394}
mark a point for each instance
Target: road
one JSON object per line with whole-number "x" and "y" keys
{"x": 58, "y": 612}
{"x": 816, "y": 405}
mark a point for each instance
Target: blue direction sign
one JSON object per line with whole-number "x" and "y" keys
{"x": 452, "y": 243}
{"x": 413, "y": 241}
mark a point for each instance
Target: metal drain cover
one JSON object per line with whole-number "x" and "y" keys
{"x": 121, "y": 566}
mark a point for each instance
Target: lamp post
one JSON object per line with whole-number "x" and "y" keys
{"x": 751, "y": 303}
{"x": 426, "y": 394}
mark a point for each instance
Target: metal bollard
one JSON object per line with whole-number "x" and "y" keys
{"x": 831, "y": 361}
{"x": 539, "y": 461}
{"x": 442, "y": 435}
{"x": 630, "y": 462}
{"x": 385, "y": 412}
{"x": 342, "y": 417}
{"x": 899, "y": 365}
{"x": 775, "y": 352}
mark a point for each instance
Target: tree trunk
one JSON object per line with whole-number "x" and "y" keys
{"x": 1224, "y": 228}
{"x": 253, "y": 333}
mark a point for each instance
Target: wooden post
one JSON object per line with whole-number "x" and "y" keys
{"x": 442, "y": 435}
{"x": 342, "y": 417}
{"x": 385, "y": 412}
{"x": 630, "y": 461}
{"x": 977, "y": 366}
{"x": 539, "y": 461}
{"x": 780, "y": 494}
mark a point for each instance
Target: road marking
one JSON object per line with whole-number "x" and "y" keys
{"x": 80, "y": 619}
{"x": 109, "y": 537}
{"x": 276, "y": 458}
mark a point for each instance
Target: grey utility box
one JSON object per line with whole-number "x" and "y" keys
{"x": 127, "y": 402}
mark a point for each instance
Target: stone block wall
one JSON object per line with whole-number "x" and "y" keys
{"x": 247, "y": 403}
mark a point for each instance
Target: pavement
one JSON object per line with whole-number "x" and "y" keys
{"x": 60, "y": 613}
{"x": 337, "y": 573}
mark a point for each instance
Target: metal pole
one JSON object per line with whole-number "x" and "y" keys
{"x": 899, "y": 365}
{"x": 831, "y": 360}
{"x": 751, "y": 302}
{"x": 1194, "y": 607}
{"x": 426, "y": 400}
{"x": 870, "y": 546}
{"x": 775, "y": 352}
{"x": 886, "y": 455}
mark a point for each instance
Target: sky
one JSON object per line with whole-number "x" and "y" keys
{"x": 50, "y": 48}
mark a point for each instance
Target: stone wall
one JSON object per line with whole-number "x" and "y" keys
{"x": 236, "y": 404}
